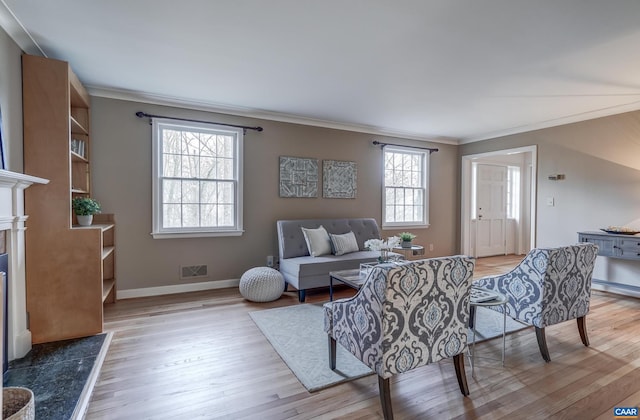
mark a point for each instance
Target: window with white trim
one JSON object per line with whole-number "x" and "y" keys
{"x": 513, "y": 192}
{"x": 197, "y": 179}
{"x": 405, "y": 192}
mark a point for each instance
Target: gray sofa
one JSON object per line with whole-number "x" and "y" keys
{"x": 303, "y": 271}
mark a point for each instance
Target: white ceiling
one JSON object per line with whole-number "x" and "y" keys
{"x": 443, "y": 70}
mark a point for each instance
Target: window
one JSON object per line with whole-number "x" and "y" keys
{"x": 406, "y": 194}
{"x": 513, "y": 192}
{"x": 197, "y": 179}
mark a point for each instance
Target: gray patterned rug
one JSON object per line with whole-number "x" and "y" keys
{"x": 297, "y": 335}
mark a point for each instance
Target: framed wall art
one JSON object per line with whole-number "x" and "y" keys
{"x": 339, "y": 179}
{"x": 298, "y": 177}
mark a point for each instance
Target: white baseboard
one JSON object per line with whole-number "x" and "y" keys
{"x": 177, "y": 288}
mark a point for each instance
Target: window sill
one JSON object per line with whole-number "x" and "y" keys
{"x": 396, "y": 226}
{"x": 177, "y": 235}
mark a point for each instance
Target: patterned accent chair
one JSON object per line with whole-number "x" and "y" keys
{"x": 405, "y": 316}
{"x": 549, "y": 286}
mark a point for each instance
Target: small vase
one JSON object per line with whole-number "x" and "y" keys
{"x": 406, "y": 244}
{"x": 384, "y": 256}
{"x": 85, "y": 220}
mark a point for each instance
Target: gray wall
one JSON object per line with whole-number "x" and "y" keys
{"x": 121, "y": 168}
{"x": 11, "y": 101}
{"x": 601, "y": 161}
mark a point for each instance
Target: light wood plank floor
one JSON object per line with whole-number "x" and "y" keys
{"x": 199, "y": 355}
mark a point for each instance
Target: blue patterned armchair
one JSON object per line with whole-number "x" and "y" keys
{"x": 405, "y": 316}
{"x": 549, "y": 286}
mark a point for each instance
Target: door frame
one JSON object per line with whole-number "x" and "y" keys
{"x": 465, "y": 199}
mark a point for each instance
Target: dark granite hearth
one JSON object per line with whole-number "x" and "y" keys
{"x": 57, "y": 373}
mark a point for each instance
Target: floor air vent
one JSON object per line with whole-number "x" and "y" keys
{"x": 191, "y": 271}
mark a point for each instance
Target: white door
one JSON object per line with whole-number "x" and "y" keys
{"x": 491, "y": 210}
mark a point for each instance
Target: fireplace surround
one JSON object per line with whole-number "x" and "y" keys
{"x": 12, "y": 222}
{"x": 4, "y": 270}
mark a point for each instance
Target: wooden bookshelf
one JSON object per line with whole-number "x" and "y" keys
{"x": 70, "y": 269}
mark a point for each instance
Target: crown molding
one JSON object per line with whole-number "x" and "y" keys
{"x": 16, "y": 30}
{"x": 150, "y": 98}
{"x": 569, "y": 119}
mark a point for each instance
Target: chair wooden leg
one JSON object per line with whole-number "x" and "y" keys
{"x": 542, "y": 344}
{"x": 582, "y": 328}
{"x": 301, "y": 295}
{"x": 385, "y": 397}
{"x": 332, "y": 353}
{"x": 472, "y": 315}
{"x": 458, "y": 363}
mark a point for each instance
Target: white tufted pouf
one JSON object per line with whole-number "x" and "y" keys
{"x": 261, "y": 284}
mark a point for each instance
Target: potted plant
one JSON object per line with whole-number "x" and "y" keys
{"x": 85, "y": 208}
{"x": 406, "y": 238}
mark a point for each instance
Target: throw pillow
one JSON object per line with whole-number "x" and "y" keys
{"x": 317, "y": 241}
{"x": 344, "y": 244}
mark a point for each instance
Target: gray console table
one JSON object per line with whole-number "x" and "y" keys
{"x": 613, "y": 245}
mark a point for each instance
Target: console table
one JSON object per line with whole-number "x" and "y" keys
{"x": 612, "y": 245}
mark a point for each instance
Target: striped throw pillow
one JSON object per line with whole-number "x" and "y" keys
{"x": 344, "y": 243}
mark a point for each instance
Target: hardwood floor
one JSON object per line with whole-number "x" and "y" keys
{"x": 199, "y": 355}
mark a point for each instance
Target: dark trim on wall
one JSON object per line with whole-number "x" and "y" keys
{"x": 430, "y": 149}
{"x": 141, "y": 114}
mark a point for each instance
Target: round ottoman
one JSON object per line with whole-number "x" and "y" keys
{"x": 261, "y": 284}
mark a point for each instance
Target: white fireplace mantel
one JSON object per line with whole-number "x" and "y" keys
{"x": 18, "y": 177}
{"x": 12, "y": 220}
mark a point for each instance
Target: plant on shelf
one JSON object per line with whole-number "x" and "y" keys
{"x": 406, "y": 238}
{"x": 85, "y": 208}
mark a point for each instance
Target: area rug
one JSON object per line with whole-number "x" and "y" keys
{"x": 61, "y": 375}
{"x": 297, "y": 335}
{"x": 489, "y": 324}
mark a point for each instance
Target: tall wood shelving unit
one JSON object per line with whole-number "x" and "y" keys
{"x": 70, "y": 270}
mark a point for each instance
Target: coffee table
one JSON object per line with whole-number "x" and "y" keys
{"x": 351, "y": 278}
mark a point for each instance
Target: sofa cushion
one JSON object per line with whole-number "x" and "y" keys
{"x": 344, "y": 243}
{"x": 309, "y": 272}
{"x": 317, "y": 241}
{"x": 303, "y": 271}
{"x": 311, "y": 266}
{"x": 305, "y": 276}
{"x": 291, "y": 241}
